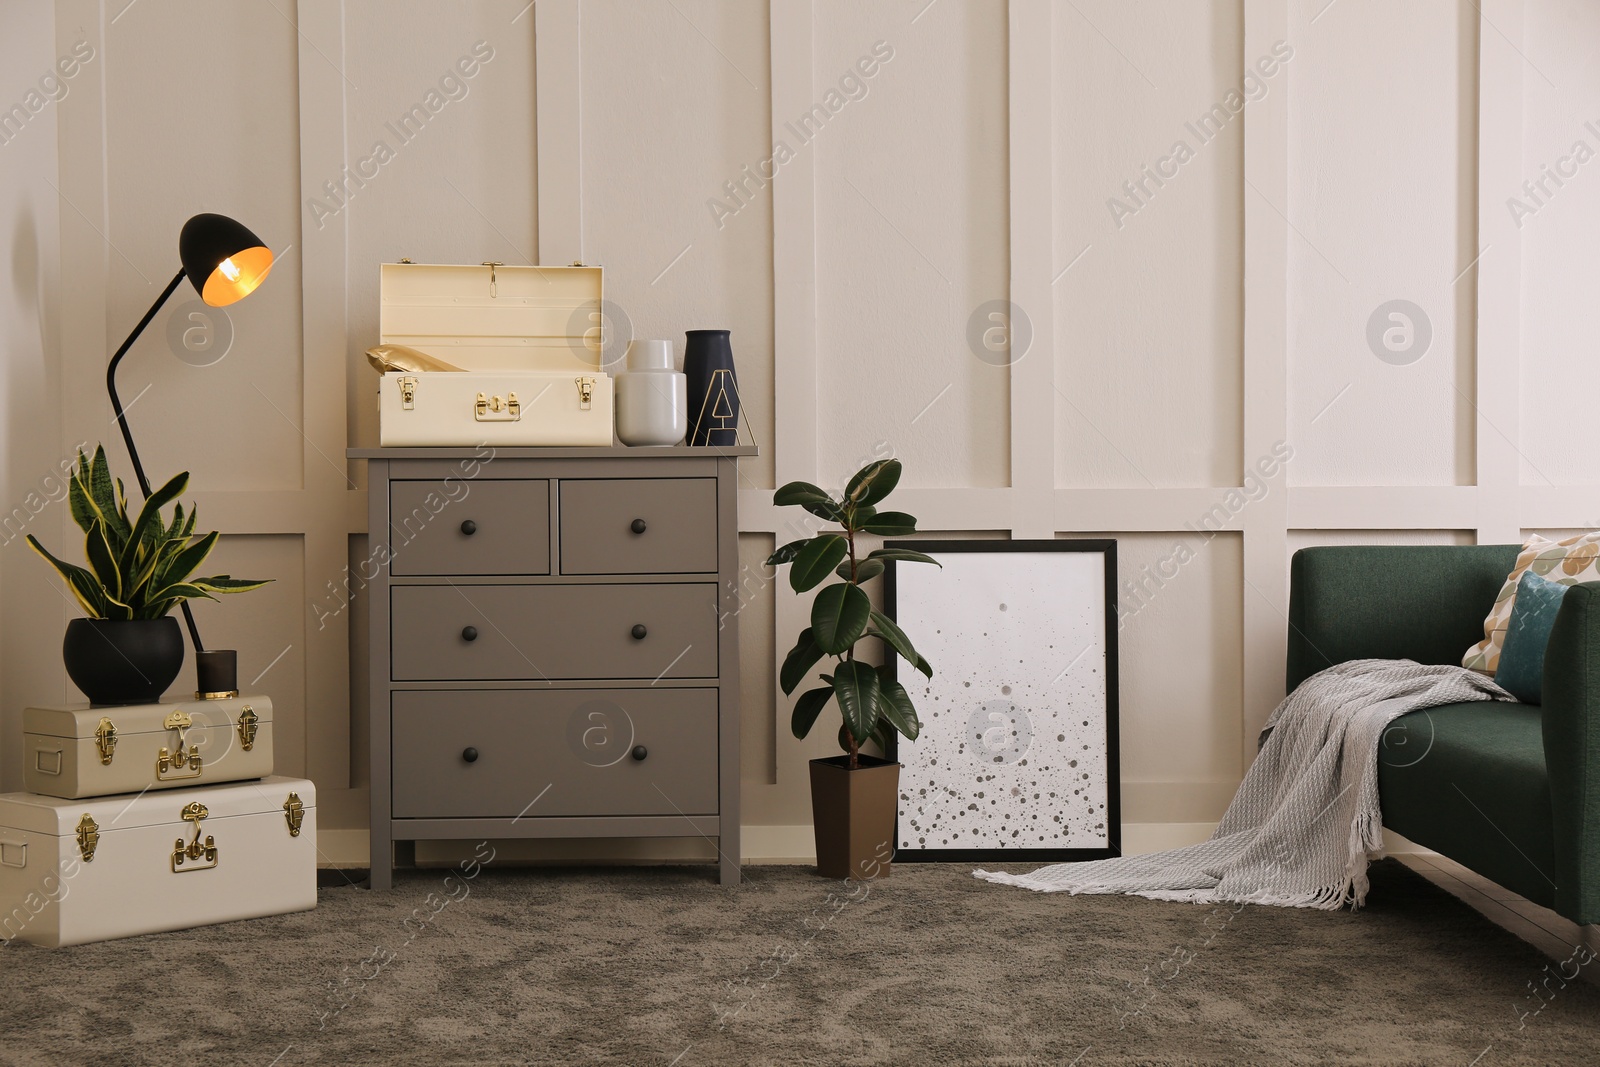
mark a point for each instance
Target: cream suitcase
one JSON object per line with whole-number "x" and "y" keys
{"x": 76, "y": 871}
{"x": 528, "y": 340}
{"x": 84, "y": 751}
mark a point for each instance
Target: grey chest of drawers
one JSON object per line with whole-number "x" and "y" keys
{"x": 554, "y": 645}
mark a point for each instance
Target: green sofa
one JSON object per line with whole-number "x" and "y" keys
{"x": 1511, "y": 791}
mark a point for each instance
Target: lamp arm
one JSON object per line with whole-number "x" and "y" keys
{"x": 111, "y": 380}
{"x": 127, "y": 434}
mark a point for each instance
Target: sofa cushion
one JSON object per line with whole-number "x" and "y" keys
{"x": 1568, "y": 562}
{"x": 1521, "y": 670}
{"x": 1469, "y": 780}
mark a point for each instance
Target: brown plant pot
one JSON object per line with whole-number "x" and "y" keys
{"x": 853, "y": 813}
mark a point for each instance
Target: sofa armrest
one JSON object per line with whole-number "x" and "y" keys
{"x": 1572, "y": 750}
{"x": 1420, "y": 602}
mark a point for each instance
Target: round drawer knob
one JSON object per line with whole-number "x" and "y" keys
{"x": 470, "y": 755}
{"x": 638, "y": 526}
{"x": 469, "y": 527}
{"x": 639, "y": 631}
{"x": 640, "y": 752}
{"x": 469, "y": 633}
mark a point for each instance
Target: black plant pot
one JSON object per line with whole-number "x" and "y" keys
{"x": 713, "y": 388}
{"x": 129, "y": 662}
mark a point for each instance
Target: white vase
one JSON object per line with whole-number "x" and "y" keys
{"x": 652, "y": 397}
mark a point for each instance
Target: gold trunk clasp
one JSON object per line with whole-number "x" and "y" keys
{"x": 585, "y": 393}
{"x": 248, "y": 721}
{"x": 105, "y": 739}
{"x": 88, "y": 837}
{"x": 186, "y": 762}
{"x": 408, "y": 393}
{"x": 194, "y": 856}
{"x": 497, "y": 408}
{"x": 294, "y": 813}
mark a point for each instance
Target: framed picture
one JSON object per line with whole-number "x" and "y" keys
{"x": 1017, "y": 758}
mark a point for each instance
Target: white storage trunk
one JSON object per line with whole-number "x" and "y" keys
{"x": 84, "y": 751}
{"x": 76, "y": 871}
{"x": 528, "y": 340}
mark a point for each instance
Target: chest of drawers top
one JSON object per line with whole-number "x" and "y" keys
{"x": 487, "y": 452}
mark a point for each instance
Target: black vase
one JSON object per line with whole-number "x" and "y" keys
{"x": 713, "y": 388}
{"x": 123, "y": 662}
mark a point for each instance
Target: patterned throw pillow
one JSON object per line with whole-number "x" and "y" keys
{"x": 1577, "y": 559}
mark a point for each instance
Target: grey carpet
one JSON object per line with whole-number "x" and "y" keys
{"x": 661, "y": 966}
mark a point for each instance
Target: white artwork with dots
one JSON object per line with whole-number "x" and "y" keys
{"x": 1013, "y": 749}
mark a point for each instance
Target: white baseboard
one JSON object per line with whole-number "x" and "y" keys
{"x": 1141, "y": 838}
{"x": 349, "y": 849}
{"x": 779, "y": 844}
{"x": 344, "y": 849}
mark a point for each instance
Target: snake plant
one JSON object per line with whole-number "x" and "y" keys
{"x": 871, "y": 702}
{"x": 138, "y": 569}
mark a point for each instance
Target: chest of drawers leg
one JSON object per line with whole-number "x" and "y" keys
{"x": 553, "y": 647}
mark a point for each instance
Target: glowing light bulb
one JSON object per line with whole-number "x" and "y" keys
{"x": 228, "y": 270}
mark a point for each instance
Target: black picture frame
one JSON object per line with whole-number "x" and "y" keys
{"x": 1113, "y": 800}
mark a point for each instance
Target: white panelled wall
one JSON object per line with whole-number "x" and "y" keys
{"x": 1191, "y": 218}
{"x": 32, "y": 613}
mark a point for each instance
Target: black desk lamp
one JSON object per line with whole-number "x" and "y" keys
{"x": 226, "y": 262}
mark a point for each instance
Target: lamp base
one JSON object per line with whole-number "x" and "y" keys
{"x": 216, "y": 673}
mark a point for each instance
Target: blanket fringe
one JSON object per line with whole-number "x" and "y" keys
{"x": 1327, "y": 898}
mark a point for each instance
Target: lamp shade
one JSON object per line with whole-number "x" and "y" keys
{"x": 223, "y": 259}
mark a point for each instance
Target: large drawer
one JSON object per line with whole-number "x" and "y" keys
{"x": 532, "y": 753}
{"x": 470, "y": 526}
{"x": 480, "y": 632}
{"x": 639, "y": 526}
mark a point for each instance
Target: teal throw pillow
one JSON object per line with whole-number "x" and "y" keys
{"x": 1521, "y": 670}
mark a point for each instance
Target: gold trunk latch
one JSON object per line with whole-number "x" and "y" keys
{"x": 294, "y": 813}
{"x": 489, "y": 408}
{"x": 189, "y": 857}
{"x": 585, "y": 393}
{"x": 105, "y": 739}
{"x": 248, "y": 721}
{"x": 185, "y": 763}
{"x": 408, "y": 393}
{"x": 88, "y": 837}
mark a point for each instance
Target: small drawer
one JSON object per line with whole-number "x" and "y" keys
{"x": 489, "y": 632}
{"x": 470, "y": 526}
{"x": 539, "y": 753}
{"x": 639, "y": 526}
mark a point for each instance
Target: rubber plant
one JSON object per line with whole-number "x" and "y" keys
{"x": 139, "y": 568}
{"x": 870, "y": 701}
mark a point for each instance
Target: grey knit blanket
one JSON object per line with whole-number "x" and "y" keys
{"x": 1305, "y": 821}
